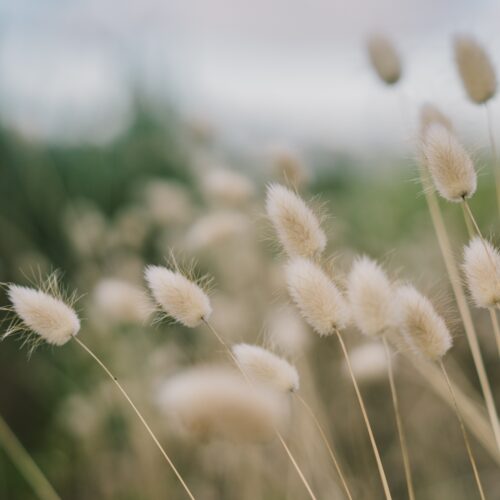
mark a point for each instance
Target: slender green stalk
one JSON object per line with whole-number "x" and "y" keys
{"x": 278, "y": 433}
{"x": 399, "y": 422}
{"x": 25, "y": 464}
{"x": 496, "y": 329}
{"x": 365, "y": 417}
{"x": 139, "y": 415}
{"x": 464, "y": 433}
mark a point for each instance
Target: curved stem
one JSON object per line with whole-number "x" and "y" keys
{"x": 365, "y": 417}
{"x": 278, "y": 433}
{"x": 25, "y": 464}
{"x": 399, "y": 423}
{"x": 327, "y": 444}
{"x": 456, "y": 284}
{"x": 139, "y": 415}
{"x": 464, "y": 432}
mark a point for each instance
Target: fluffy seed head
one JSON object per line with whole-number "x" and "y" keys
{"x": 179, "y": 297}
{"x": 266, "y": 367}
{"x": 215, "y": 228}
{"x": 316, "y": 296}
{"x": 425, "y": 330}
{"x": 297, "y": 226}
{"x": 475, "y": 68}
{"x": 121, "y": 302}
{"x": 289, "y": 168}
{"x": 287, "y": 332}
{"x": 368, "y": 362}
{"x": 384, "y": 58}
{"x": 48, "y": 316}
{"x": 227, "y": 186}
{"x": 217, "y": 402}
{"x": 482, "y": 272}
{"x": 371, "y": 297}
{"x": 450, "y": 165}
{"x": 430, "y": 115}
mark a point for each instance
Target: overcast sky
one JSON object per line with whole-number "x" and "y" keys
{"x": 268, "y": 70}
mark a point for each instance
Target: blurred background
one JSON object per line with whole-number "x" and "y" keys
{"x": 125, "y": 126}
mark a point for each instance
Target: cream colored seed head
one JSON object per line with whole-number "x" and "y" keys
{"x": 430, "y": 115}
{"x": 298, "y": 228}
{"x": 425, "y": 331}
{"x": 266, "y": 367}
{"x": 44, "y": 314}
{"x": 217, "y": 402}
{"x": 316, "y": 296}
{"x": 121, "y": 302}
{"x": 385, "y": 59}
{"x": 227, "y": 187}
{"x": 371, "y": 297}
{"x": 449, "y": 164}
{"x": 368, "y": 362}
{"x": 179, "y": 297}
{"x": 482, "y": 272}
{"x": 475, "y": 68}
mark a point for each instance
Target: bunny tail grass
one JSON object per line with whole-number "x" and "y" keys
{"x": 138, "y": 413}
{"x": 456, "y": 284}
{"x": 278, "y": 433}
{"x": 365, "y": 417}
{"x": 327, "y": 444}
{"x": 25, "y": 464}
{"x": 399, "y": 423}
{"x": 464, "y": 433}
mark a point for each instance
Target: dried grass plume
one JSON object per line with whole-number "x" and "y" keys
{"x": 475, "y": 69}
{"x": 385, "y": 59}
{"x": 318, "y": 299}
{"x": 482, "y": 272}
{"x": 298, "y": 228}
{"x": 179, "y": 297}
{"x": 449, "y": 164}
{"x": 266, "y": 367}
{"x": 425, "y": 331}
{"x": 371, "y": 297}
{"x": 42, "y": 313}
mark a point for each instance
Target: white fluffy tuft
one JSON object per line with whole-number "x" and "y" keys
{"x": 425, "y": 331}
{"x": 218, "y": 402}
{"x": 475, "y": 68}
{"x": 44, "y": 314}
{"x": 227, "y": 187}
{"x": 371, "y": 297}
{"x": 298, "y": 228}
{"x": 449, "y": 164}
{"x": 482, "y": 271}
{"x": 121, "y": 302}
{"x": 368, "y": 362}
{"x": 316, "y": 296}
{"x": 180, "y": 298}
{"x": 266, "y": 367}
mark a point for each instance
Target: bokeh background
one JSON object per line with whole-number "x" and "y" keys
{"x": 114, "y": 115}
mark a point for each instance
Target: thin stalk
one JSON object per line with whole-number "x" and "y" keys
{"x": 365, "y": 417}
{"x": 25, "y": 464}
{"x": 494, "y": 155}
{"x": 327, "y": 444}
{"x": 138, "y": 413}
{"x": 456, "y": 284}
{"x": 496, "y": 329}
{"x": 464, "y": 432}
{"x": 278, "y": 433}
{"x": 399, "y": 422}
